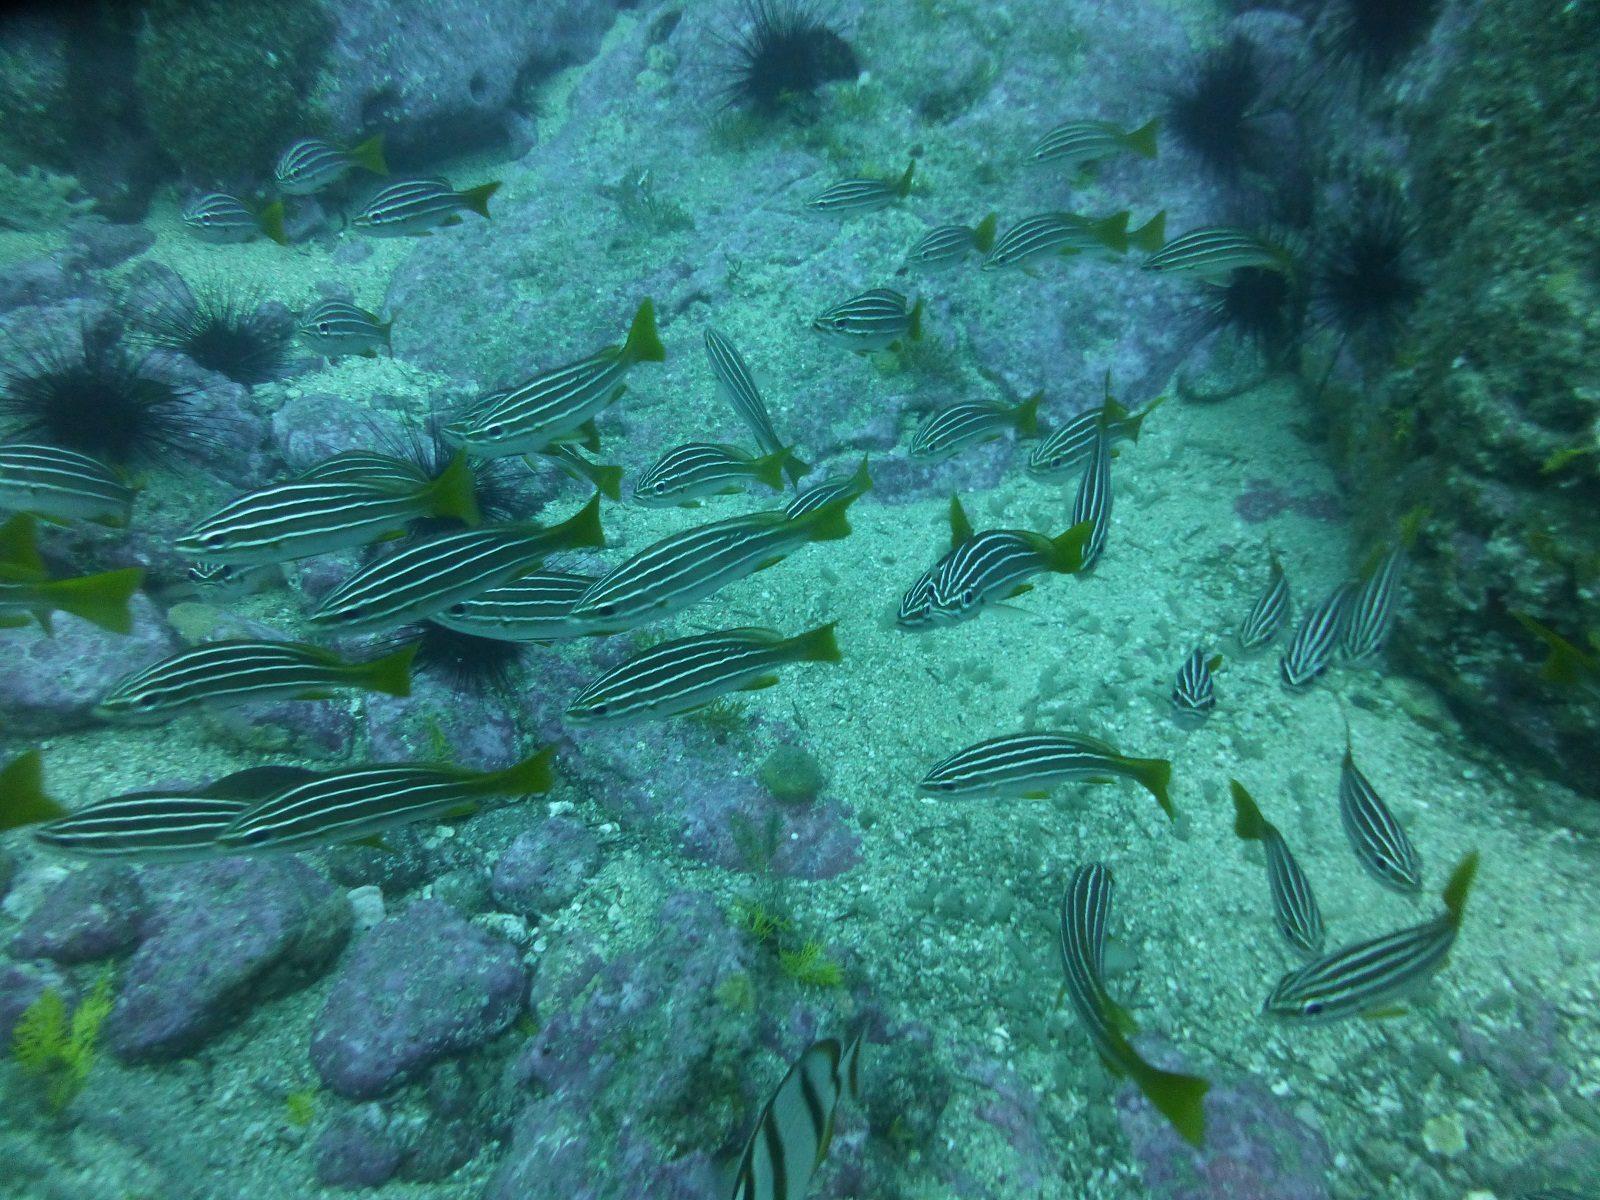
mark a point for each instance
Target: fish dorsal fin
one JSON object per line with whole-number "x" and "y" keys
{"x": 960, "y": 526}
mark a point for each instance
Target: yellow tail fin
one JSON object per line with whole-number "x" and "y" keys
{"x": 477, "y": 198}
{"x": 1248, "y": 822}
{"x": 22, "y": 796}
{"x": 390, "y": 674}
{"x": 531, "y": 776}
{"x": 644, "y": 342}
{"x": 99, "y": 599}
{"x": 817, "y": 645}
{"x": 453, "y": 494}
{"x": 369, "y": 155}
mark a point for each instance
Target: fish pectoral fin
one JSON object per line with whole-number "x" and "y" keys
{"x": 1386, "y": 1012}
{"x": 315, "y": 694}
{"x": 465, "y": 809}
{"x": 1036, "y": 795}
{"x": 1019, "y": 590}
{"x": 759, "y": 682}
{"x": 373, "y": 841}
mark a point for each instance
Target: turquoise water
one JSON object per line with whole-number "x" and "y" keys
{"x": 593, "y": 983}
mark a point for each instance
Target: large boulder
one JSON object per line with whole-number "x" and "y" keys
{"x": 220, "y": 938}
{"x": 419, "y": 987}
{"x": 1491, "y": 422}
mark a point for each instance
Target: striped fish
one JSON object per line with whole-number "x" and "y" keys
{"x": 1293, "y": 906}
{"x": 691, "y": 564}
{"x": 1555, "y": 1193}
{"x": 1193, "y": 695}
{"x": 688, "y": 673}
{"x": 736, "y": 382}
{"x": 1369, "y": 616}
{"x": 28, "y": 593}
{"x": 228, "y": 673}
{"x": 61, "y": 485}
{"x": 1367, "y": 978}
{"x": 1312, "y": 648}
{"x": 1079, "y": 142}
{"x": 220, "y": 218}
{"x": 1065, "y": 450}
{"x": 416, "y": 207}
{"x": 556, "y": 405}
{"x": 1266, "y": 616}
{"x": 605, "y": 478}
{"x": 1215, "y": 252}
{"x": 224, "y": 581}
{"x": 425, "y": 579}
{"x": 993, "y": 565}
{"x": 1032, "y": 765}
{"x": 1085, "y": 909}
{"x": 311, "y": 164}
{"x": 948, "y": 245}
{"x": 1379, "y": 841}
{"x": 687, "y": 474}
{"x": 536, "y": 607}
{"x": 1063, "y": 234}
{"x": 874, "y": 320}
{"x": 150, "y": 826}
{"x": 365, "y": 466}
{"x": 362, "y": 802}
{"x": 791, "y": 1138}
{"x": 337, "y": 327}
{"x": 850, "y": 197}
{"x": 916, "y": 606}
{"x": 1092, "y": 505}
{"x": 948, "y": 431}
{"x": 835, "y": 487}
{"x": 304, "y": 517}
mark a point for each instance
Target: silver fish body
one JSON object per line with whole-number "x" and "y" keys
{"x": 738, "y": 385}
{"x": 1316, "y": 638}
{"x": 995, "y": 564}
{"x": 1215, "y": 252}
{"x": 311, "y": 164}
{"x": 1369, "y": 617}
{"x": 947, "y": 246}
{"x": 852, "y": 197}
{"x": 1092, "y": 504}
{"x": 1378, "y": 839}
{"x": 411, "y": 207}
{"x": 220, "y": 218}
{"x": 1074, "y": 143}
{"x": 60, "y": 484}
{"x": 950, "y": 430}
{"x": 873, "y": 320}
{"x": 337, "y": 327}
{"x": 1294, "y": 907}
{"x": 792, "y": 1135}
{"x": 692, "y": 472}
{"x": 1193, "y": 692}
{"x": 1032, "y": 765}
{"x": 536, "y": 607}
{"x": 1266, "y": 616}
{"x": 835, "y": 487}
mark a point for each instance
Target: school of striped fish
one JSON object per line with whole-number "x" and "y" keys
{"x": 510, "y": 581}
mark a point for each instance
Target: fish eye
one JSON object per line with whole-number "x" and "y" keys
{"x": 146, "y": 699}
{"x": 1311, "y": 1008}
{"x": 968, "y": 597}
{"x": 607, "y": 610}
{"x": 658, "y": 487}
{"x": 210, "y": 540}
{"x": 322, "y": 327}
{"x": 455, "y": 610}
{"x": 494, "y": 431}
{"x": 600, "y": 709}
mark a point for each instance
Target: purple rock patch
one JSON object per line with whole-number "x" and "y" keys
{"x": 544, "y": 868}
{"x": 420, "y": 986}
{"x": 93, "y": 913}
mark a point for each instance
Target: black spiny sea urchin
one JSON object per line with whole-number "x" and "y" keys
{"x": 1214, "y": 113}
{"x": 99, "y": 399}
{"x": 217, "y": 326}
{"x": 1367, "y": 279}
{"x": 1379, "y": 33}
{"x": 1266, "y": 308}
{"x": 496, "y": 482}
{"x": 782, "y": 52}
{"x": 464, "y": 662}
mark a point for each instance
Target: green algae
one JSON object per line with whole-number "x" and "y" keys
{"x": 56, "y": 1044}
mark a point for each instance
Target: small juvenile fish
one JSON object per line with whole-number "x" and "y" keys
{"x": 948, "y": 245}
{"x": 1065, "y": 450}
{"x": 1193, "y": 695}
{"x": 61, "y": 485}
{"x": 994, "y": 565}
{"x": 1369, "y": 615}
{"x": 1214, "y": 252}
{"x": 224, "y": 581}
{"x": 792, "y": 1135}
{"x": 303, "y": 517}
{"x": 312, "y": 164}
{"x": 1079, "y": 142}
{"x": 835, "y": 487}
{"x": 1092, "y": 505}
{"x": 949, "y": 431}
{"x": 228, "y": 673}
{"x": 874, "y": 320}
{"x": 1032, "y": 765}
{"x": 605, "y": 478}
{"x": 558, "y": 405}
{"x": 27, "y": 591}
{"x": 220, "y": 218}
{"x": 689, "y": 473}
{"x": 160, "y": 825}
{"x": 736, "y": 382}
{"x": 362, "y": 802}
{"x": 673, "y": 573}
{"x": 1314, "y": 641}
{"x": 536, "y": 607}
{"x": 416, "y": 207}
{"x": 1266, "y": 616}
{"x": 427, "y": 578}
{"x": 1368, "y": 977}
{"x": 851, "y": 197}
{"x": 688, "y": 673}
{"x": 1063, "y": 234}
{"x": 1085, "y": 909}
{"x": 1293, "y": 905}
{"x": 337, "y": 327}
{"x": 1379, "y": 841}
